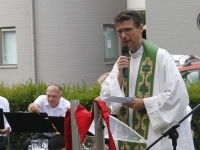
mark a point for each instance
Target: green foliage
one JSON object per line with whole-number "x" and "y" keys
{"x": 20, "y": 95}
{"x": 194, "y": 96}
{"x": 83, "y": 93}
{"x": 194, "y": 91}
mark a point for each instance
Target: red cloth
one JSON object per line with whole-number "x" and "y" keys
{"x": 68, "y": 131}
{"x": 83, "y": 120}
{"x": 105, "y": 116}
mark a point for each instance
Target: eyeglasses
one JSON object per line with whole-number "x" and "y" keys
{"x": 126, "y": 30}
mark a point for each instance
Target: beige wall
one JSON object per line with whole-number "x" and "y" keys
{"x": 68, "y": 35}
{"x": 173, "y": 25}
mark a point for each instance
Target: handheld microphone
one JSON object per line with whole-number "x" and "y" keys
{"x": 125, "y": 52}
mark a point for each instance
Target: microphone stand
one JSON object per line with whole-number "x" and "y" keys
{"x": 171, "y": 131}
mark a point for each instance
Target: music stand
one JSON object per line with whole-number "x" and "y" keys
{"x": 58, "y": 123}
{"x": 26, "y": 122}
{"x": 1, "y": 119}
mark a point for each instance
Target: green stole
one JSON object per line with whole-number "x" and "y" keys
{"x": 143, "y": 89}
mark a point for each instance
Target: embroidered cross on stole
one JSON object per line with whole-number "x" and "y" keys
{"x": 143, "y": 89}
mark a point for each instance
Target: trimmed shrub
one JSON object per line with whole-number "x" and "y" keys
{"x": 194, "y": 96}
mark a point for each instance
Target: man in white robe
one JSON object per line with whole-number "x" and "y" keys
{"x": 169, "y": 99}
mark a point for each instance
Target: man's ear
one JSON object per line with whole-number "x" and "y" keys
{"x": 141, "y": 27}
{"x": 60, "y": 95}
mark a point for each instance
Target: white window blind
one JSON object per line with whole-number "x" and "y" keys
{"x": 111, "y": 50}
{"x": 9, "y": 48}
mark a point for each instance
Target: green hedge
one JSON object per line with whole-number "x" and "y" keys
{"x": 20, "y": 95}
{"x": 194, "y": 96}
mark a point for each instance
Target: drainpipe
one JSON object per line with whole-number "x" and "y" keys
{"x": 33, "y": 42}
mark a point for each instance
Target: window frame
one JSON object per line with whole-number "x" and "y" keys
{"x": 3, "y": 65}
{"x": 117, "y": 45}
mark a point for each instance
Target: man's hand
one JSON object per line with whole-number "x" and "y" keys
{"x": 4, "y": 131}
{"x": 107, "y": 108}
{"x": 33, "y": 107}
{"x": 123, "y": 62}
{"x": 136, "y": 104}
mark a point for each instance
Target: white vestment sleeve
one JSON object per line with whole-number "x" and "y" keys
{"x": 6, "y": 108}
{"x": 170, "y": 97}
{"x": 110, "y": 87}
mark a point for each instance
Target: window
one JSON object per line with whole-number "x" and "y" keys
{"x": 143, "y": 15}
{"x": 8, "y": 49}
{"x": 111, "y": 44}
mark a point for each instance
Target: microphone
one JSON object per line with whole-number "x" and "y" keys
{"x": 125, "y": 52}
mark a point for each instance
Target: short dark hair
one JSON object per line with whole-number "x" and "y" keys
{"x": 129, "y": 15}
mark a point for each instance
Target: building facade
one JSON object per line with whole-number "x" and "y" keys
{"x": 69, "y": 40}
{"x": 59, "y": 42}
{"x": 174, "y": 25}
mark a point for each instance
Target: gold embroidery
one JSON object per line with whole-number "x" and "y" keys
{"x": 139, "y": 147}
{"x": 125, "y": 86}
{"x": 143, "y": 92}
{"x": 125, "y": 146}
{"x": 125, "y": 116}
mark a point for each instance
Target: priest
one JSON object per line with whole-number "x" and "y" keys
{"x": 153, "y": 79}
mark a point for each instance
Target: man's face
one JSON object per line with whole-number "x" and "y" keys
{"x": 130, "y": 35}
{"x": 53, "y": 95}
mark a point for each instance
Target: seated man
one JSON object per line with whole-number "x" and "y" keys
{"x": 5, "y": 106}
{"x": 54, "y": 105}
